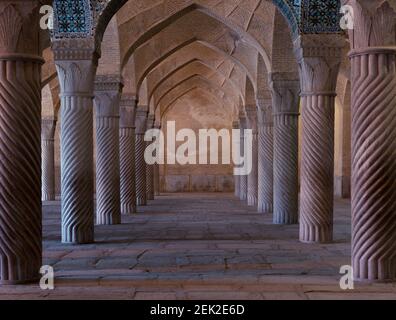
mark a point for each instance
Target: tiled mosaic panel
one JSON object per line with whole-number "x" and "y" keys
{"x": 72, "y": 17}
{"x": 321, "y": 16}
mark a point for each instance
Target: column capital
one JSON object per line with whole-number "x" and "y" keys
{"x": 129, "y": 100}
{"x": 141, "y": 119}
{"x": 251, "y": 112}
{"x": 319, "y": 58}
{"x": 107, "y": 95}
{"x": 150, "y": 121}
{"x": 48, "y": 126}
{"x": 128, "y": 105}
{"x": 373, "y": 24}
{"x": 109, "y": 82}
{"x": 19, "y": 23}
{"x": 71, "y": 49}
{"x": 235, "y": 125}
{"x": 285, "y": 95}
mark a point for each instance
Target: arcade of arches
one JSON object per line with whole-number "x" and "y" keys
{"x": 75, "y": 190}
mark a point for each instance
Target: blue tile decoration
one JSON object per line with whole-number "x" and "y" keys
{"x": 319, "y": 16}
{"x": 78, "y": 18}
{"x": 72, "y": 18}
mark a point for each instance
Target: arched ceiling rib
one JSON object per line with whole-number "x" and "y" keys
{"x": 191, "y": 82}
{"x": 200, "y": 68}
{"x": 185, "y": 31}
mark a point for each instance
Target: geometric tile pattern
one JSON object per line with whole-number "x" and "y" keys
{"x": 78, "y": 18}
{"x": 72, "y": 18}
{"x": 320, "y": 16}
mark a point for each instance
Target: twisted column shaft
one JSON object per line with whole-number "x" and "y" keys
{"x": 20, "y": 150}
{"x": 252, "y": 191}
{"x": 140, "y": 163}
{"x": 373, "y": 62}
{"x": 265, "y": 171}
{"x": 237, "y": 182}
{"x": 243, "y": 179}
{"x": 157, "y": 187}
{"x": 319, "y": 59}
{"x": 285, "y": 103}
{"x": 107, "y": 97}
{"x": 150, "y": 168}
{"x": 127, "y": 155}
{"x": 76, "y": 78}
{"x": 47, "y": 159}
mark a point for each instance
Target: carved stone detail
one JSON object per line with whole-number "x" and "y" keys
{"x": 140, "y": 164}
{"x": 319, "y": 59}
{"x": 48, "y": 159}
{"x": 127, "y": 154}
{"x": 237, "y": 183}
{"x": 243, "y": 180}
{"x": 107, "y": 98}
{"x": 373, "y": 61}
{"x": 252, "y": 192}
{"x": 150, "y": 168}
{"x": 265, "y": 161}
{"x": 76, "y": 79}
{"x": 20, "y": 144}
{"x": 285, "y": 104}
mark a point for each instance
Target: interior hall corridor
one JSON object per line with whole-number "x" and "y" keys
{"x": 198, "y": 246}
{"x": 195, "y": 149}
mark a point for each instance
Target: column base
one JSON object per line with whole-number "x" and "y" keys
{"x": 19, "y": 282}
{"x": 265, "y": 208}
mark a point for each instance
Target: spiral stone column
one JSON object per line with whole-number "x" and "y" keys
{"x": 252, "y": 192}
{"x": 128, "y": 105}
{"x": 20, "y": 150}
{"x": 140, "y": 162}
{"x": 319, "y": 58}
{"x": 157, "y": 186}
{"x": 243, "y": 180}
{"x": 285, "y": 103}
{"x": 237, "y": 182}
{"x": 76, "y": 62}
{"x": 150, "y": 168}
{"x": 373, "y": 62}
{"x": 265, "y": 161}
{"x": 107, "y": 102}
{"x": 48, "y": 159}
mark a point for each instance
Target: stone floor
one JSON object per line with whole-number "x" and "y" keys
{"x": 197, "y": 246}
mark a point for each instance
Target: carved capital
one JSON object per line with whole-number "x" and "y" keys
{"x": 111, "y": 82}
{"x": 264, "y": 113}
{"x": 141, "y": 120}
{"x": 285, "y": 96}
{"x": 251, "y": 112}
{"x": 48, "y": 126}
{"x": 76, "y": 77}
{"x": 373, "y": 23}
{"x": 128, "y": 104}
{"x": 76, "y": 49}
{"x": 150, "y": 121}
{"x": 19, "y": 27}
{"x": 319, "y": 58}
{"x": 107, "y": 95}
